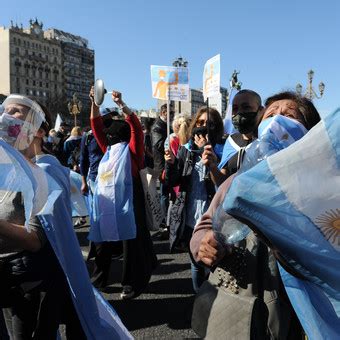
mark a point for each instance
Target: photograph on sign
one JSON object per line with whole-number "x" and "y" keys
{"x": 170, "y": 80}
{"x": 211, "y": 77}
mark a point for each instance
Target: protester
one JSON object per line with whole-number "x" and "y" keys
{"x": 147, "y": 124}
{"x": 159, "y": 135}
{"x": 62, "y": 134}
{"x": 188, "y": 171}
{"x": 32, "y": 282}
{"x": 179, "y": 137}
{"x": 251, "y": 266}
{"x": 139, "y": 257}
{"x": 246, "y": 115}
{"x": 72, "y": 149}
{"x": 90, "y": 157}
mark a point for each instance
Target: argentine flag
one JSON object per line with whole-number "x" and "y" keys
{"x": 113, "y": 214}
{"x": 228, "y": 124}
{"x": 292, "y": 199}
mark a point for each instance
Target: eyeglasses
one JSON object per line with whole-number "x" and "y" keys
{"x": 201, "y": 122}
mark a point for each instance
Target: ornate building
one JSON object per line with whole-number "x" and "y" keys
{"x": 50, "y": 65}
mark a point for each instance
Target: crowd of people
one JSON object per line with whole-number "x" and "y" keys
{"x": 195, "y": 166}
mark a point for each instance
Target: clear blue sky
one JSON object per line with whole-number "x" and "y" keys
{"x": 273, "y": 43}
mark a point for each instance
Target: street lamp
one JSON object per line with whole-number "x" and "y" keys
{"x": 310, "y": 92}
{"x": 180, "y": 62}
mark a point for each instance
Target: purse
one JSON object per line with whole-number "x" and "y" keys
{"x": 219, "y": 312}
{"x": 222, "y": 308}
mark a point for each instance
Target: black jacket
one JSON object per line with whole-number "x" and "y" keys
{"x": 158, "y": 134}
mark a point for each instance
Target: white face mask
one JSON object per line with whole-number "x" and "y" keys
{"x": 16, "y": 132}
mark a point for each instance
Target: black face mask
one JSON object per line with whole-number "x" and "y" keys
{"x": 117, "y": 131}
{"x": 244, "y": 122}
{"x": 107, "y": 122}
{"x": 203, "y": 130}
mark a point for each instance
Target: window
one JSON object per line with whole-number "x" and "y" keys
{"x": 27, "y": 82}
{"x": 40, "y": 83}
{"x": 15, "y": 40}
{"x": 33, "y": 82}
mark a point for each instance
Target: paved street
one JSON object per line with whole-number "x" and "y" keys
{"x": 164, "y": 310}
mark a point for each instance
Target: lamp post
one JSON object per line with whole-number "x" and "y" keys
{"x": 310, "y": 92}
{"x": 74, "y": 107}
{"x": 180, "y": 62}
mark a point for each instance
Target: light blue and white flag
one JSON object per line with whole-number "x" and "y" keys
{"x": 97, "y": 317}
{"x": 230, "y": 148}
{"x": 293, "y": 199}
{"x": 78, "y": 202}
{"x": 228, "y": 124}
{"x": 113, "y": 214}
{"x": 14, "y": 171}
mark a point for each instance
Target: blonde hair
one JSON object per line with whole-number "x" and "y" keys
{"x": 76, "y": 131}
{"x": 180, "y": 125}
{"x": 52, "y": 132}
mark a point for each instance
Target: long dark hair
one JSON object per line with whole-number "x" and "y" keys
{"x": 215, "y": 120}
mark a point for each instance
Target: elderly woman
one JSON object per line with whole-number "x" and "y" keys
{"x": 251, "y": 268}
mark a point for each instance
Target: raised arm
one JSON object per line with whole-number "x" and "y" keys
{"x": 136, "y": 144}
{"x": 97, "y": 125}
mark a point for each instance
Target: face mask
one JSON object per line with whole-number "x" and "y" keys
{"x": 16, "y": 132}
{"x": 107, "y": 122}
{"x": 244, "y": 122}
{"x": 283, "y": 129}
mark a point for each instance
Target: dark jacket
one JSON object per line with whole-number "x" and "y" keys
{"x": 158, "y": 134}
{"x": 90, "y": 156}
{"x": 180, "y": 174}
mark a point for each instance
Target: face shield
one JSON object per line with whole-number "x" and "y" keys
{"x": 20, "y": 121}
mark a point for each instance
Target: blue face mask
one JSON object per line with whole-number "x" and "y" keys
{"x": 282, "y": 129}
{"x": 274, "y": 134}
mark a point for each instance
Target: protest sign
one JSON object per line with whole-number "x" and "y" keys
{"x": 169, "y": 82}
{"x": 211, "y": 77}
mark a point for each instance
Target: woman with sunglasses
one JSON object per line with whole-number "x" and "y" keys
{"x": 196, "y": 188}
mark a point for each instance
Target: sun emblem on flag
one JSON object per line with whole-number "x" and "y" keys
{"x": 329, "y": 224}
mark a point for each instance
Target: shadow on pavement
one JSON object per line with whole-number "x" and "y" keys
{"x": 137, "y": 314}
{"x": 170, "y": 286}
{"x": 171, "y": 268}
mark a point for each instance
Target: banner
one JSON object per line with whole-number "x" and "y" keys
{"x": 153, "y": 210}
{"x": 165, "y": 79}
{"x": 211, "y": 77}
{"x": 58, "y": 121}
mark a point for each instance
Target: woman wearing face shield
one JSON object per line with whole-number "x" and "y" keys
{"x": 250, "y": 265}
{"x": 31, "y": 278}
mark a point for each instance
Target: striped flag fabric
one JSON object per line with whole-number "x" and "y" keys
{"x": 292, "y": 199}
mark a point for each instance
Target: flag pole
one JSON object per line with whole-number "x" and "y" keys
{"x": 168, "y": 116}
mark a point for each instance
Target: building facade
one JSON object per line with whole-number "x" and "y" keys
{"x": 77, "y": 65}
{"x": 196, "y": 100}
{"x": 30, "y": 64}
{"x": 49, "y": 65}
